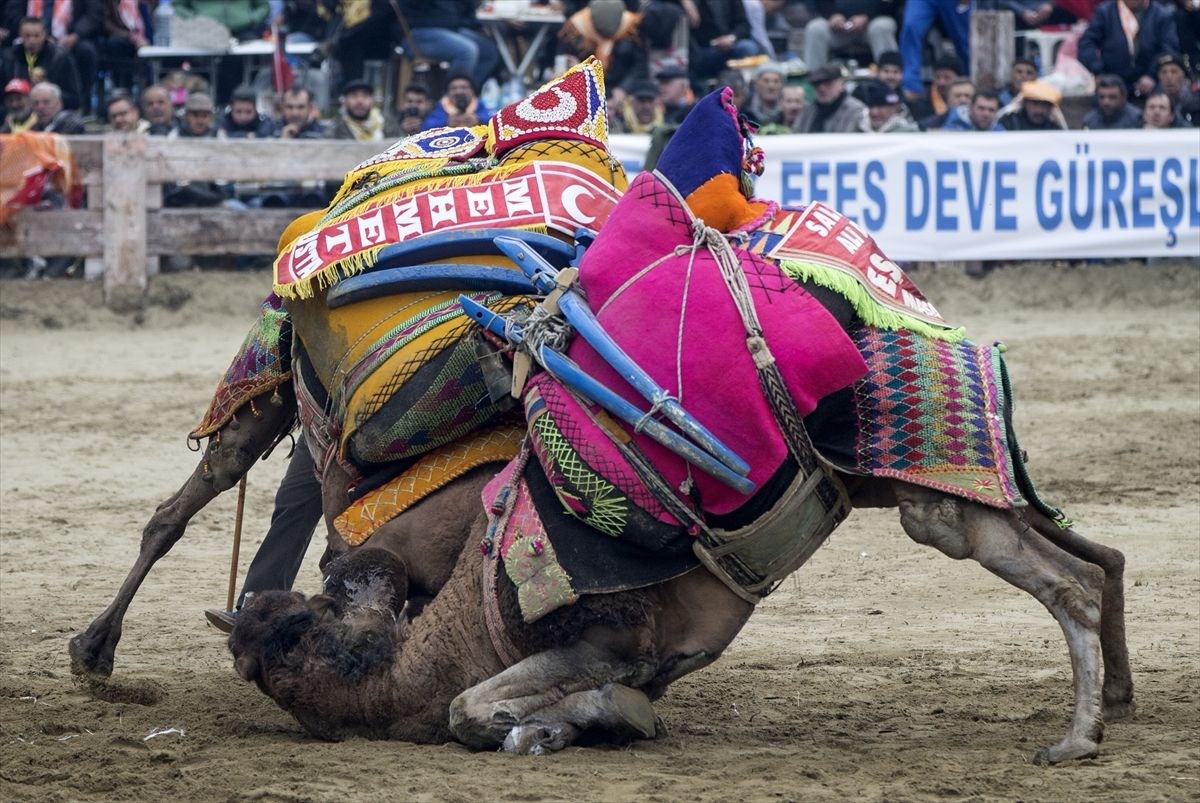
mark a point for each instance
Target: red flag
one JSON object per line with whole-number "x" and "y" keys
{"x": 281, "y": 72}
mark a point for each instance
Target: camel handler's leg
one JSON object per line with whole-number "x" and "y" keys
{"x": 295, "y": 517}
{"x": 1070, "y": 588}
{"x": 229, "y": 455}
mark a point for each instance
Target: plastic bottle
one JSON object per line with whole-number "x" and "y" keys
{"x": 163, "y": 16}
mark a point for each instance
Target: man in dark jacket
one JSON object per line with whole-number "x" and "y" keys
{"x": 75, "y": 27}
{"x": 243, "y": 121}
{"x": 1126, "y": 37}
{"x": 1113, "y": 109}
{"x": 720, "y": 32}
{"x": 49, "y": 111}
{"x": 36, "y": 59}
{"x": 361, "y": 118}
{"x": 1037, "y": 109}
{"x": 833, "y": 111}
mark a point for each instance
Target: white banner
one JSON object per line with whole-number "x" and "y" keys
{"x": 1016, "y": 195}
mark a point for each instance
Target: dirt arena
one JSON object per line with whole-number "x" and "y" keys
{"x": 881, "y": 671}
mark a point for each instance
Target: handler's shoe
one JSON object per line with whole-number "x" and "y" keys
{"x": 221, "y": 619}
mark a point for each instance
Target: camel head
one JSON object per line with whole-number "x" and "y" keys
{"x": 323, "y": 661}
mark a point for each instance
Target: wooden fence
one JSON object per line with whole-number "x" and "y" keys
{"x": 125, "y": 223}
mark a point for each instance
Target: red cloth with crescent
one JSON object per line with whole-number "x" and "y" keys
{"x": 556, "y": 195}
{"x": 569, "y": 107}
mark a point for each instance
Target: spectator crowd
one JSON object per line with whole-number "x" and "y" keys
{"x": 796, "y": 66}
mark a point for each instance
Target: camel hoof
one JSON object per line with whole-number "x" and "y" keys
{"x": 1119, "y": 710}
{"x": 1067, "y": 750}
{"x": 634, "y": 715}
{"x": 538, "y": 740}
{"x": 86, "y": 661}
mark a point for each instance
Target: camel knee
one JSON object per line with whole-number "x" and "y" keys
{"x": 936, "y": 521}
{"x": 480, "y": 724}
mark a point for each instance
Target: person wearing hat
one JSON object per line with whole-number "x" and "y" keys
{"x": 18, "y": 107}
{"x": 832, "y": 111}
{"x": 49, "y": 113}
{"x": 1035, "y": 110}
{"x": 360, "y": 118}
{"x": 199, "y": 116}
{"x": 764, "y": 107}
{"x": 954, "y": 15}
{"x": 675, "y": 93}
{"x": 35, "y": 58}
{"x": 639, "y": 113}
{"x": 849, "y": 23}
{"x": 882, "y": 115}
{"x": 1127, "y": 37}
{"x": 1113, "y": 109}
{"x": 1172, "y": 75}
{"x": 242, "y": 120}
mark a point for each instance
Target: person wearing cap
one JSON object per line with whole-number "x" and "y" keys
{"x": 675, "y": 93}
{"x": 360, "y": 118}
{"x": 18, "y": 107}
{"x": 1035, "y": 110}
{"x": 1113, "y": 109}
{"x": 954, "y": 15}
{"x": 1127, "y": 37}
{"x": 764, "y": 106}
{"x": 957, "y": 95}
{"x": 979, "y": 115}
{"x": 848, "y": 23}
{"x": 639, "y": 113}
{"x": 35, "y": 58}
{"x": 242, "y": 120}
{"x": 832, "y": 111}
{"x": 49, "y": 112}
{"x": 199, "y": 118}
{"x": 1171, "y": 72}
{"x": 882, "y": 115}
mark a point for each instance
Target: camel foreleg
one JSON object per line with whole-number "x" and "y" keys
{"x": 1071, "y": 589}
{"x": 546, "y": 701}
{"x": 229, "y": 455}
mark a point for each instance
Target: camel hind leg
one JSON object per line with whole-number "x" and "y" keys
{"x": 1071, "y": 589}
{"x": 227, "y": 457}
{"x": 1118, "y": 679}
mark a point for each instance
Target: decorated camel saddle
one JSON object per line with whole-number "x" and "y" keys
{"x": 696, "y": 299}
{"x": 393, "y": 381}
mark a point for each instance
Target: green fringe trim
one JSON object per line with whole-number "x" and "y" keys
{"x": 871, "y": 311}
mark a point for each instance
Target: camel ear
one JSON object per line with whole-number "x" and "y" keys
{"x": 324, "y": 606}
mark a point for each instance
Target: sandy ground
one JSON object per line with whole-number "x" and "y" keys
{"x": 882, "y": 671}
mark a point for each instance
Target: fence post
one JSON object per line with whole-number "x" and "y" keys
{"x": 124, "y": 168}
{"x": 993, "y": 46}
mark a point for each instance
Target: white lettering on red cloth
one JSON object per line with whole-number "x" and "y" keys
{"x": 823, "y": 235}
{"x": 558, "y": 195}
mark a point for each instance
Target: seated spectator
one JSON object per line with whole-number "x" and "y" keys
{"x": 741, "y": 90}
{"x": 1187, "y": 26}
{"x": 675, "y": 92}
{"x": 946, "y": 70}
{"x": 1172, "y": 79}
{"x": 1159, "y": 111}
{"x": 124, "y": 32}
{"x": 49, "y": 112}
{"x": 833, "y": 111}
{"x": 882, "y": 115}
{"x": 980, "y": 115}
{"x": 889, "y": 69}
{"x": 75, "y": 27}
{"x": 764, "y": 106}
{"x": 640, "y": 112}
{"x": 720, "y": 32}
{"x": 1036, "y": 13}
{"x": 361, "y": 118}
{"x": 1113, "y": 109}
{"x": 606, "y": 29}
{"x": 1022, "y": 70}
{"x": 199, "y": 116}
{"x": 954, "y": 16}
{"x": 242, "y": 120}
{"x": 158, "y": 111}
{"x": 1035, "y": 110}
{"x": 416, "y": 96}
{"x": 36, "y": 59}
{"x": 18, "y": 107}
{"x": 846, "y": 23}
{"x": 411, "y": 121}
{"x": 958, "y": 94}
{"x": 309, "y": 20}
{"x": 1127, "y": 37}
{"x": 448, "y": 31}
{"x": 792, "y": 100}
{"x": 459, "y": 106}
{"x": 122, "y": 114}
{"x": 300, "y": 117}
